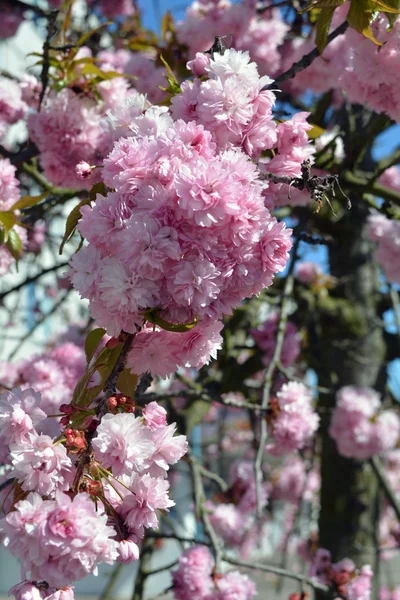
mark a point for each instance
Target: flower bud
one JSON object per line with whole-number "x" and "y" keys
{"x": 83, "y": 170}
{"x": 128, "y": 550}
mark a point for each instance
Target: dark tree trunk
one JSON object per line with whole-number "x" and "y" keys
{"x": 351, "y": 352}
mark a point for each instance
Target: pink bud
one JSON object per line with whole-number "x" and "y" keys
{"x": 199, "y": 64}
{"x": 83, "y": 170}
{"x": 27, "y": 590}
{"x": 128, "y": 550}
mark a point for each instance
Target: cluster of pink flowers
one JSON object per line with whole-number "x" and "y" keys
{"x": 386, "y": 232}
{"x": 232, "y": 104}
{"x": 9, "y": 194}
{"x": 308, "y": 272}
{"x": 149, "y": 77}
{"x": 359, "y": 426}
{"x": 12, "y": 106}
{"x": 238, "y": 21}
{"x": 292, "y": 483}
{"x": 186, "y": 232}
{"x": 387, "y": 593}
{"x": 195, "y": 580}
{"x": 234, "y": 518}
{"x": 292, "y": 420}
{"x": 345, "y": 580}
{"x": 265, "y": 338}
{"x": 363, "y": 70}
{"x": 74, "y": 515}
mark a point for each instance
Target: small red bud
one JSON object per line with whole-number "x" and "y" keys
{"x": 67, "y": 409}
{"x": 112, "y": 343}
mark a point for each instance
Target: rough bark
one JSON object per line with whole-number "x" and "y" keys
{"x": 351, "y": 352}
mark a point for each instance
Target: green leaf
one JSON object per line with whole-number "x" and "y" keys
{"x": 27, "y": 201}
{"x": 315, "y": 132}
{"x": 127, "y": 382}
{"x": 389, "y": 6}
{"x": 322, "y": 27}
{"x": 313, "y": 4}
{"x": 167, "y": 25}
{"x": 173, "y": 84}
{"x": 195, "y": 413}
{"x": 81, "y": 386}
{"x": 360, "y": 18}
{"x": 92, "y": 342}
{"x": 92, "y": 69}
{"x": 106, "y": 360}
{"x": 152, "y": 317}
{"x": 14, "y": 244}
{"x": 75, "y": 215}
{"x": 7, "y": 221}
{"x": 89, "y": 34}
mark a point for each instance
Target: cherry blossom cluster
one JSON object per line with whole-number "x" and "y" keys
{"x": 265, "y": 338}
{"x": 234, "y": 517}
{"x": 238, "y": 21}
{"x": 342, "y": 577}
{"x": 292, "y": 420}
{"x": 13, "y": 107}
{"x": 363, "y": 70}
{"x": 386, "y": 232}
{"x": 86, "y": 496}
{"x": 9, "y": 194}
{"x": 387, "y": 593}
{"x": 292, "y": 483}
{"x": 11, "y": 19}
{"x": 195, "y": 578}
{"x": 360, "y": 427}
{"x": 185, "y": 234}
{"x": 53, "y": 374}
{"x": 308, "y": 272}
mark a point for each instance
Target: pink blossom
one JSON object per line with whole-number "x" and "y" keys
{"x": 192, "y": 580}
{"x": 169, "y": 449}
{"x": 123, "y": 443}
{"x": 266, "y": 339}
{"x": 199, "y": 64}
{"x": 155, "y": 416}
{"x": 128, "y": 550}
{"x": 41, "y": 466}
{"x": 11, "y": 19}
{"x": 83, "y": 170}
{"x": 9, "y": 184}
{"x": 308, "y": 272}
{"x": 359, "y": 427}
{"x": 296, "y": 422}
{"x": 59, "y": 540}
{"x": 19, "y": 415}
{"x": 138, "y": 509}
{"x": 235, "y": 586}
{"x": 12, "y": 107}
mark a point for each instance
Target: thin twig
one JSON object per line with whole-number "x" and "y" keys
{"x": 38, "y": 323}
{"x": 112, "y": 581}
{"x": 306, "y": 60}
{"x": 201, "y": 511}
{"x": 276, "y": 571}
{"x": 287, "y": 292}
{"x": 33, "y": 279}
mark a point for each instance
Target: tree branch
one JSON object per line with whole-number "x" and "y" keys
{"x": 379, "y": 471}
{"x": 306, "y": 60}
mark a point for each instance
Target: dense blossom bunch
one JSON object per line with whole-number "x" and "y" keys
{"x": 343, "y": 577}
{"x": 265, "y": 338}
{"x": 260, "y": 35}
{"x": 9, "y": 194}
{"x": 65, "y": 516}
{"x": 292, "y": 420}
{"x": 387, "y": 593}
{"x": 193, "y": 580}
{"x": 234, "y": 518}
{"x": 186, "y": 232}
{"x": 386, "y": 233}
{"x": 359, "y": 426}
{"x": 12, "y": 106}
{"x": 292, "y": 482}
{"x": 308, "y": 272}
{"x": 364, "y": 71}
